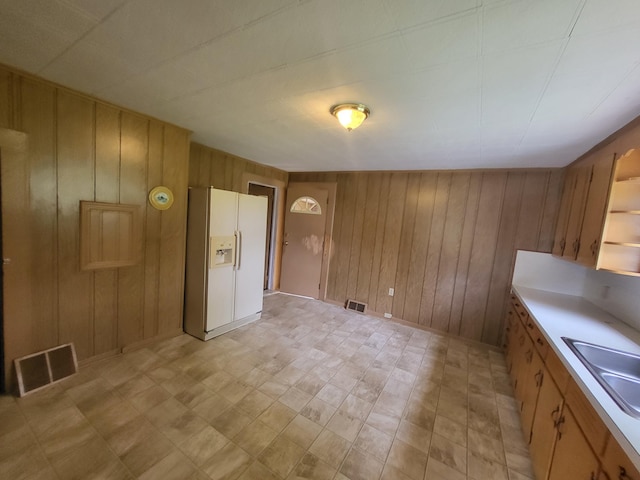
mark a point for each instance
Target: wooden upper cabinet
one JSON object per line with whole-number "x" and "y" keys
{"x": 620, "y": 250}
{"x": 576, "y": 213}
{"x": 595, "y": 210}
{"x": 560, "y": 238}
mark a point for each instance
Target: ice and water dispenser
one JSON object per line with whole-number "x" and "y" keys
{"x": 223, "y": 251}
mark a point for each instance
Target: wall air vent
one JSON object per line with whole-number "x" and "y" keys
{"x": 40, "y": 369}
{"x": 356, "y": 306}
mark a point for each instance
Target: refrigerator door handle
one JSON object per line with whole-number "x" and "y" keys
{"x": 238, "y": 249}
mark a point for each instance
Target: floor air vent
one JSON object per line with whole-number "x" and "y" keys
{"x": 356, "y": 306}
{"x": 40, "y": 369}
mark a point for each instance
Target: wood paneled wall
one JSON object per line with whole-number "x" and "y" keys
{"x": 82, "y": 149}
{"x": 209, "y": 167}
{"x": 444, "y": 240}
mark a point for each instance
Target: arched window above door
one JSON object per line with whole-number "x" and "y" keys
{"x": 308, "y": 205}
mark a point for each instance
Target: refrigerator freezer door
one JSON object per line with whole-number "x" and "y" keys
{"x": 252, "y": 226}
{"x": 223, "y": 213}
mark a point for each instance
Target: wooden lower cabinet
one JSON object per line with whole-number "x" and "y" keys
{"x": 531, "y": 389}
{"x": 616, "y": 465}
{"x": 543, "y": 432}
{"x": 572, "y": 456}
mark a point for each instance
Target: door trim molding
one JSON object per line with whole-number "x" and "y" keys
{"x": 278, "y": 224}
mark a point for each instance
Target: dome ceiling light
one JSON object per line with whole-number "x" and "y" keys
{"x": 350, "y": 115}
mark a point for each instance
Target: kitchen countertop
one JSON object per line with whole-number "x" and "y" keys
{"x": 559, "y": 315}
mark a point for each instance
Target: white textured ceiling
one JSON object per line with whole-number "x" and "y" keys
{"x": 450, "y": 83}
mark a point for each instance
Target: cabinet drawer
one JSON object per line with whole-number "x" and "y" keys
{"x": 538, "y": 339}
{"x": 557, "y": 370}
{"x": 590, "y": 422}
{"x": 519, "y": 308}
{"x": 616, "y": 464}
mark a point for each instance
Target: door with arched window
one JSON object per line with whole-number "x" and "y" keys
{"x": 304, "y": 239}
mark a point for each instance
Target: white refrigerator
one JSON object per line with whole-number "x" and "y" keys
{"x": 226, "y": 235}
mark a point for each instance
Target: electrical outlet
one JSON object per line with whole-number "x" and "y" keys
{"x": 387, "y": 315}
{"x": 391, "y": 292}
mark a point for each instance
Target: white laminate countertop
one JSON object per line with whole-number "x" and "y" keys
{"x": 559, "y": 315}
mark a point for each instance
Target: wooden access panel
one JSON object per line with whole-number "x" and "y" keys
{"x": 109, "y": 235}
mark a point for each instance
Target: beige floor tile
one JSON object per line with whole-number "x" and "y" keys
{"x": 318, "y": 411}
{"x": 295, "y": 399}
{"x": 409, "y": 460}
{"x": 330, "y": 448}
{"x": 359, "y": 466}
{"x": 486, "y": 446}
{"x": 230, "y": 422}
{"x": 383, "y": 422}
{"x": 414, "y": 435}
{"x": 257, "y": 471}
{"x": 451, "y": 454}
{"x": 124, "y": 438}
{"x": 480, "y": 468}
{"x": 277, "y": 416}
{"x": 281, "y": 456}
{"x": 332, "y": 394}
{"x": 345, "y": 425}
{"x": 149, "y": 398}
{"x": 212, "y": 407}
{"x": 454, "y": 431}
{"x": 175, "y": 466}
{"x": 311, "y": 467}
{"x": 255, "y": 437}
{"x": 373, "y": 442}
{"x": 146, "y": 453}
{"x": 254, "y": 403}
{"x": 201, "y": 446}
{"x": 228, "y": 463}
{"x": 22, "y": 464}
{"x": 292, "y": 391}
{"x": 302, "y": 431}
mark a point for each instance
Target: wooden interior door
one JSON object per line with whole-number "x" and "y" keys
{"x": 304, "y": 235}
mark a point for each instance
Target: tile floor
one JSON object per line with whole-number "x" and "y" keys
{"x": 308, "y": 392}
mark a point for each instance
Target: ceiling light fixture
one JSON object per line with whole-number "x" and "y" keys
{"x": 350, "y": 115}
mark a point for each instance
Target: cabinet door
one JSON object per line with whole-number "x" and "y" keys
{"x": 560, "y": 238}
{"x": 510, "y": 338}
{"x": 532, "y": 383}
{"x": 576, "y": 214}
{"x": 573, "y": 457}
{"x": 521, "y": 373}
{"x": 616, "y": 463}
{"x": 595, "y": 211}
{"x": 543, "y": 432}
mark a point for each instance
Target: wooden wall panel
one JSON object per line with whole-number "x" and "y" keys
{"x": 82, "y": 149}
{"x": 434, "y": 249}
{"x": 420, "y": 246}
{"x": 153, "y": 232}
{"x": 391, "y": 240}
{"x": 37, "y": 118}
{"x": 6, "y": 105}
{"x": 107, "y": 190}
{"x": 445, "y": 241}
{"x": 173, "y": 231}
{"x": 75, "y": 153}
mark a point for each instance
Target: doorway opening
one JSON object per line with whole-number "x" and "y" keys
{"x": 270, "y": 192}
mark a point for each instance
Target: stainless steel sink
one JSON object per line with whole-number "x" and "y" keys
{"x": 618, "y": 372}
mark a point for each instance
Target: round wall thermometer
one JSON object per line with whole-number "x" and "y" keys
{"x": 161, "y": 197}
